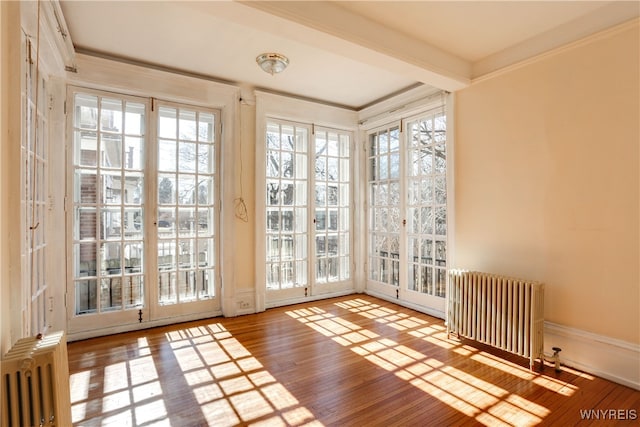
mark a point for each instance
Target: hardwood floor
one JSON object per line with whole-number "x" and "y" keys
{"x": 349, "y": 361}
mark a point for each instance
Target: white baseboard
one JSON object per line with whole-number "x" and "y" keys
{"x": 605, "y": 357}
{"x": 422, "y": 309}
{"x": 93, "y": 333}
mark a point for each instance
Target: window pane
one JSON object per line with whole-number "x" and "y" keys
{"x": 205, "y": 159}
{"x": 167, "y": 126}
{"x": 111, "y": 224}
{"x": 206, "y": 127}
{"x": 134, "y": 291}
{"x": 440, "y": 159}
{"x": 86, "y": 111}
{"x": 205, "y": 191}
{"x": 85, "y": 223}
{"x": 134, "y": 118}
{"x": 86, "y": 148}
{"x": 166, "y": 255}
{"x": 84, "y": 259}
{"x": 167, "y": 189}
{"x": 111, "y": 188}
{"x": 187, "y": 189}
{"x": 167, "y": 287}
{"x": 111, "y": 293}
{"x": 205, "y": 222}
{"x": 187, "y": 125}
{"x": 110, "y": 258}
{"x": 187, "y": 157}
{"x": 111, "y": 119}
{"x": 133, "y": 223}
{"x": 85, "y": 189}
{"x": 166, "y": 155}
{"x": 187, "y": 222}
{"x": 133, "y": 257}
{"x": 86, "y": 296}
{"x": 134, "y": 153}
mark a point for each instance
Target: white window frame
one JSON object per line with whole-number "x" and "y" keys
{"x": 87, "y": 320}
{"x": 276, "y": 107}
{"x": 401, "y": 110}
{"x": 129, "y": 79}
{"x": 199, "y": 302}
{"x": 40, "y": 31}
{"x": 34, "y": 190}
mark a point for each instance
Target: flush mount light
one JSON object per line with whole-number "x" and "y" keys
{"x": 272, "y": 63}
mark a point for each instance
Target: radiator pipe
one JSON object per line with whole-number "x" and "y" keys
{"x": 556, "y": 357}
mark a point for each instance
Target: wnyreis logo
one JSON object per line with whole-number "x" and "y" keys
{"x": 609, "y": 414}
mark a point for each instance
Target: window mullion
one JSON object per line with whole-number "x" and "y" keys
{"x": 403, "y": 196}
{"x": 311, "y": 212}
{"x": 150, "y": 206}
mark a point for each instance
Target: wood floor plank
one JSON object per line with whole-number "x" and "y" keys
{"x": 349, "y": 361}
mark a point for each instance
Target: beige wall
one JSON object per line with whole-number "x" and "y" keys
{"x": 4, "y": 298}
{"x": 245, "y": 231}
{"x": 547, "y": 182}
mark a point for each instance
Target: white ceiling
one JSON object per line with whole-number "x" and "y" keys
{"x": 346, "y": 53}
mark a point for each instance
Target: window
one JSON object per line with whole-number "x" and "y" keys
{"x": 308, "y": 215}
{"x": 332, "y": 206}
{"x": 145, "y": 195}
{"x": 186, "y": 202}
{"x": 407, "y": 210}
{"x": 287, "y": 208}
{"x": 109, "y": 201}
{"x": 427, "y": 204}
{"x": 384, "y": 206}
{"x": 34, "y": 194}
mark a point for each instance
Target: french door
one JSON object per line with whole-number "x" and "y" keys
{"x": 34, "y": 195}
{"x": 144, "y": 192}
{"x": 407, "y": 211}
{"x": 307, "y": 212}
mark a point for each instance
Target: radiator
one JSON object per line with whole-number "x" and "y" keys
{"x": 503, "y": 312}
{"x": 35, "y": 383}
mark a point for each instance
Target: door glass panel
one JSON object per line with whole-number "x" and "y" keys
{"x": 186, "y": 202}
{"x": 33, "y": 193}
{"x": 108, "y": 203}
{"x": 384, "y": 206}
{"x": 332, "y": 199}
{"x": 426, "y": 204}
{"x": 287, "y": 206}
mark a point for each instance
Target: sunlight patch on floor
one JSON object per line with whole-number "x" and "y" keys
{"x": 220, "y": 374}
{"x": 472, "y": 396}
{"x": 436, "y": 333}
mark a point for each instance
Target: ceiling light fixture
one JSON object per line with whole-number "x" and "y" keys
{"x": 272, "y": 63}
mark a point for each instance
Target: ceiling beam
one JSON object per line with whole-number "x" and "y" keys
{"x": 327, "y": 26}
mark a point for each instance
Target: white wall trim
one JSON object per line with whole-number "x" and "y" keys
{"x": 130, "y": 327}
{"x": 397, "y": 107}
{"x": 56, "y": 48}
{"x": 292, "y": 301}
{"x": 605, "y": 357}
{"x": 484, "y": 72}
{"x": 309, "y": 112}
{"x": 408, "y": 304}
